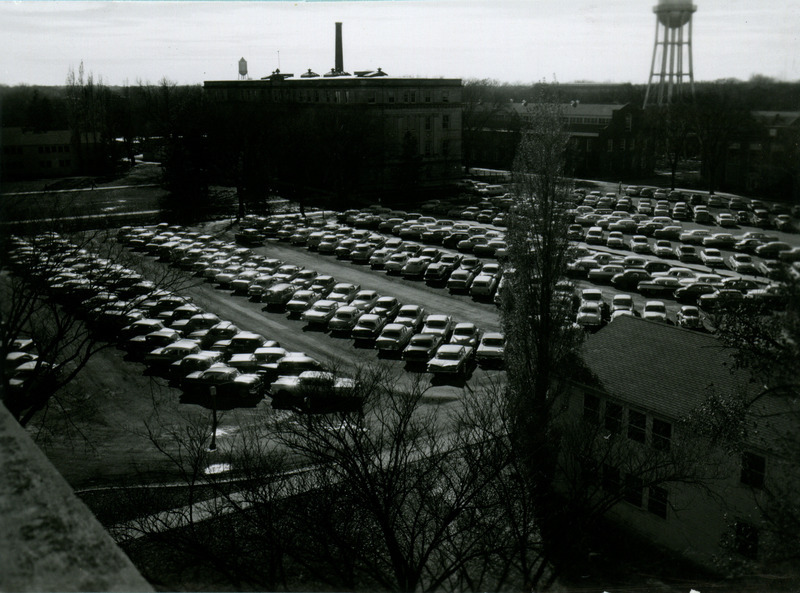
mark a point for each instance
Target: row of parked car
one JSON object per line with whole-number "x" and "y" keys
{"x": 344, "y": 308}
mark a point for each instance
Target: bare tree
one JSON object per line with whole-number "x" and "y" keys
{"x": 541, "y": 339}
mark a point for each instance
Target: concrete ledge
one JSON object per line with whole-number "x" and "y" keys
{"x": 49, "y": 540}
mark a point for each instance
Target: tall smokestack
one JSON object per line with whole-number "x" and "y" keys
{"x": 339, "y": 58}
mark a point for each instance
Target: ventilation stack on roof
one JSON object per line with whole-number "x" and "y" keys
{"x": 339, "y": 52}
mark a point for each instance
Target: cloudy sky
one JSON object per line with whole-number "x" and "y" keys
{"x": 507, "y": 40}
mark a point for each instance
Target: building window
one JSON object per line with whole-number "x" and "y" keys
{"x": 445, "y": 122}
{"x": 628, "y": 122}
{"x": 390, "y": 96}
{"x": 428, "y": 123}
{"x": 753, "y": 469}
{"x": 371, "y": 97}
{"x": 657, "y": 501}
{"x": 746, "y": 539}
{"x": 591, "y": 408}
{"x": 662, "y": 434}
{"x": 613, "y": 418}
{"x": 445, "y": 96}
{"x": 427, "y": 148}
{"x": 622, "y": 145}
{"x": 610, "y": 145}
{"x": 413, "y": 96}
{"x": 634, "y": 490}
{"x": 347, "y": 96}
{"x": 338, "y": 96}
{"x": 610, "y": 480}
{"x": 445, "y": 147}
{"x": 637, "y": 426}
{"x": 427, "y": 96}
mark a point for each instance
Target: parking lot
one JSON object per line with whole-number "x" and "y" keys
{"x": 433, "y": 258}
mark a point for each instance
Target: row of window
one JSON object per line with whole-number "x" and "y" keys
{"x": 409, "y": 122}
{"x": 633, "y": 491}
{"x": 634, "y": 425}
{"x": 54, "y": 148}
{"x": 630, "y": 422}
{"x": 337, "y": 96}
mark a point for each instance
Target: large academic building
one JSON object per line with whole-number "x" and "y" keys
{"x": 406, "y": 131}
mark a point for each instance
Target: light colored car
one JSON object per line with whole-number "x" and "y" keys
{"x": 411, "y": 315}
{"x": 395, "y": 262}
{"x": 301, "y": 300}
{"x": 320, "y": 312}
{"x": 689, "y": 317}
{"x": 451, "y": 359}
{"x": 344, "y": 319}
{"x": 483, "y": 285}
{"x": 365, "y": 300}
{"x": 589, "y": 315}
{"x": 741, "y": 263}
{"x": 368, "y": 327}
{"x": 421, "y": 347}
{"x": 466, "y": 334}
{"x": 394, "y": 338}
{"x": 491, "y": 349}
{"x": 438, "y": 324}
{"x": 654, "y": 311}
{"x": 712, "y": 257}
{"x": 639, "y": 244}
{"x": 343, "y": 292}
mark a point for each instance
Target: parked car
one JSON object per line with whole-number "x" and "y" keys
{"x": 343, "y": 292}
{"x": 467, "y": 334}
{"x": 712, "y": 257}
{"x": 439, "y": 324}
{"x": 300, "y": 301}
{"x": 368, "y": 327}
{"x": 394, "y": 338}
{"x": 412, "y": 316}
{"x": 315, "y": 391}
{"x": 321, "y": 312}
{"x": 659, "y": 286}
{"x": 654, "y": 311}
{"x": 689, "y": 317}
{"x": 630, "y": 279}
{"x": 226, "y": 380}
{"x": 451, "y": 359}
{"x": 421, "y": 347}
{"x": 691, "y": 293}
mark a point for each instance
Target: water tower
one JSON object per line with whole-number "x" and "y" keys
{"x": 242, "y": 69}
{"x": 672, "y": 53}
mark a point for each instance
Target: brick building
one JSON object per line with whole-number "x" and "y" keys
{"x": 413, "y": 125}
{"x": 606, "y": 140}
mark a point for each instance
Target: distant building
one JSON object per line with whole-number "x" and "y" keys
{"x": 414, "y": 124}
{"x": 29, "y": 154}
{"x": 767, "y": 160}
{"x": 606, "y": 140}
{"x": 643, "y": 378}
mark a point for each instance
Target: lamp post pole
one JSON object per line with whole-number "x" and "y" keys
{"x": 213, "y": 392}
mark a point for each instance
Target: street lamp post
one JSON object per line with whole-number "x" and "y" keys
{"x": 213, "y": 393}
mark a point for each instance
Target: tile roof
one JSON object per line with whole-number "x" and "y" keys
{"x": 662, "y": 368}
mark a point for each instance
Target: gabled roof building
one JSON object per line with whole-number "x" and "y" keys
{"x": 644, "y": 380}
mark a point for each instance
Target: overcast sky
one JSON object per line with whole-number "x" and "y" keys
{"x": 507, "y": 40}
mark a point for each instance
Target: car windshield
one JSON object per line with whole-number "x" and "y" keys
{"x": 422, "y": 341}
{"x": 657, "y": 308}
{"x": 450, "y": 355}
{"x": 493, "y": 342}
{"x": 392, "y": 334}
{"x": 464, "y": 331}
{"x": 437, "y": 323}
